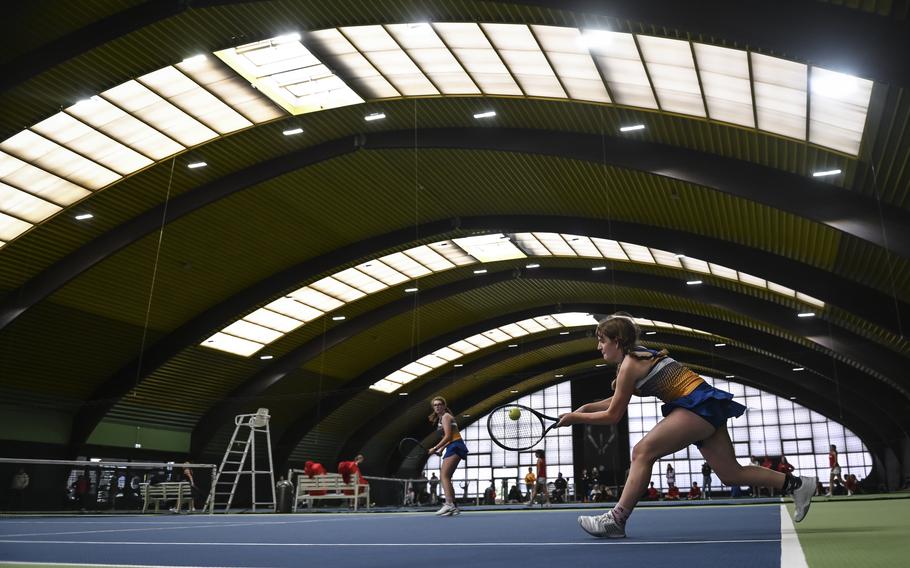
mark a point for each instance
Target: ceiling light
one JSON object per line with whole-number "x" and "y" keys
{"x": 513, "y": 345}
{"x": 83, "y": 216}
{"x": 459, "y": 365}
{"x": 533, "y": 266}
{"x": 195, "y": 58}
{"x": 720, "y": 345}
{"x": 598, "y": 268}
{"x": 792, "y": 398}
{"x": 194, "y": 165}
{"x": 825, "y": 173}
{"x": 293, "y": 131}
{"x": 650, "y": 333}
{"x": 729, "y": 376}
{"x": 559, "y": 376}
{"x": 402, "y": 394}
{"x": 137, "y": 445}
{"x": 513, "y": 391}
{"x": 266, "y": 357}
{"x": 338, "y": 318}
{"x": 632, "y": 128}
{"x": 481, "y": 271}
{"x": 806, "y": 315}
{"x": 410, "y": 290}
{"x": 601, "y": 365}
{"x": 693, "y": 282}
{"x": 799, "y": 368}
{"x": 485, "y": 114}
{"x": 374, "y": 116}
{"x": 563, "y": 333}
{"x": 465, "y": 415}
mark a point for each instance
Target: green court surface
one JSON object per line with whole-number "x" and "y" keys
{"x": 856, "y": 533}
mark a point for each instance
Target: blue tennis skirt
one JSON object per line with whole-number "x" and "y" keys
{"x": 714, "y": 405}
{"x": 456, "y": 448}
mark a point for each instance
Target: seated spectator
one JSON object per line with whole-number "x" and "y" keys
{"x": 489, "y": 494}
{"x": 652, "y": 493}
{"x": 672, "y": 493}
{"x": 312, "y": 469}
{"x": 559, "y": 488}
{"x": 694, "y": 491}
{"x": 348, "y": 470}
{"x": 596, "y": 493}
{"x": 515, "y": 494}
{"x": 850, "y": 483}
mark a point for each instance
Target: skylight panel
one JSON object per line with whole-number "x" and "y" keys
{"x": 572, "y": 62}
{"x": 382, "y": 272}
{"x": 780, "y": 95}
{"x": 79, "y": 137}
{"x": 463, "y": 347}
{"x": 357, "y": 279}
{"x": 682, "y": 328}
{"x": 294, "y": 309}
{"x": 394, "y": 64}
{"x": 292, "y": 77}
{"x": 696, "y": 265}
{"x": 838, "y": 106}
{"x": 753, "y": 280}
{"x": 531, "y": 245}
{"x": 18, "y": 173}
{"x": 273, "y": 320}
{"x": 531, "y": 326}
{"x": 672, "y": 72}
{"x": 490, "y": 248}
{"x": 385, "y": 386}
{"x": 316, "y": 299}
{"x": 429, "y": 258}
{"x": 555, "y": 244}
{"x": 663, "y": 324}
{"x": 638, "y": 253}
{"x": 231, "y": 344}
{"x": 337, "y": 289}
{"x": 432, "y": 361}
{"x": 514, "y": 330}
{"x": 25, "y": 206}
{"x": 422, "y": 44}
{"x": 478, "y": 57}
{"x": 405, "y": 264}
{"x": 521, "y": 53}
{"x": 187, "y": 95}
{"x": 416, "y": 369}
{"x": 252, "y": 332}
{"x": 60, "y": 161}
{"x": 643, "y": 322}
{"x": 610, "y": 249}
{"x": 622, "y": 67}
{"x": 810, "y": 300}
{"x": 548, "y": 322}
{"x": 447, "y": 353}
{"x": 138, "y": 100}
{"x": 453, "y": 253}
{"x": 356, "y": 69}
{"x": 230, "y": 88}
{"x": 125, "y": 128}
{"x": 497, "y": 335}
{"x": 583, "y": 246}
{"x": 781, "y": 289}
{"x": 400, "y": 377}
{"x": 480, "y": 341}
{"x": 665, "y": 258}
{"x": 722, "y": 271}
{"x": 575, "y": 319}
{"x": 724, "y": 77}
{"x": 10, "y": 227}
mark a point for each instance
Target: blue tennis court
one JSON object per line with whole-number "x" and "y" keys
{"x": 685, "y": 536}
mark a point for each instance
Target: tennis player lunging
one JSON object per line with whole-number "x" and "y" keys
{"x": 455, "y": 451}
{"x": 694, "y": 412}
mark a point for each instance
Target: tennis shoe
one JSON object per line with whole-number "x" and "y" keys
{"x": 455, "y": 512}
{"x": 446, "y": 510}
{"x": 603, "y": 526}
{"x": 802, "y": 498}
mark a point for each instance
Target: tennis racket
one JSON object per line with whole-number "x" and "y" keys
{"x": 523, "y": 432}
{"x": 407, "y": 446}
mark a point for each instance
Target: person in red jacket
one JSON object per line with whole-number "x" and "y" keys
{"x": 312, "y": 469}
{"x": 672, "y": 493}
{"x": 348, "y": 469}
{"x": 653, "y": 493}
{"x": 694, "y": 491}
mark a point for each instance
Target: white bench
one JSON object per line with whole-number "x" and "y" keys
{"x": 179, "y": 491}
{"x": 329, "y": 486}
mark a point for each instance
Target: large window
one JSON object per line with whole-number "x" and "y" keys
{"x": 487, "y": 461}
{"x": 772, "y": 426}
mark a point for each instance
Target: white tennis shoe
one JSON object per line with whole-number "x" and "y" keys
{"x": 446, "y": 510}
{"x": 802, "y": 498}
{"x": 603, "y": 526}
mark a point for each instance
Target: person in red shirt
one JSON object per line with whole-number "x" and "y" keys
{"x": 348, "y": 469}
{"x": 312, "y": 469}
{"x": 835, "y": 470}
{"x": 694, "y": 491}
{"x": 541, "y": 483}
{"x": 673, "y": 493}
{"x": 850, "y": 483}
{"x": 653, "y": 493}
{"x": 784, "y": 466}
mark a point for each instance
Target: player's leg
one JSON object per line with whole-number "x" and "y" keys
{"x": 445, "y": 473}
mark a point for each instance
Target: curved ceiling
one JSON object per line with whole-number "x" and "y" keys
{"x": 105, "y": 316}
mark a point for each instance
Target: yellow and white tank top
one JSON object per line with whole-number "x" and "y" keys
{"x": 667, "y": 379}
{"x": 455, "y": 434}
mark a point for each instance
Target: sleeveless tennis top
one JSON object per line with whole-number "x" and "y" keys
{"x": 667, "y": 379}
{"x": 455, "y": 434}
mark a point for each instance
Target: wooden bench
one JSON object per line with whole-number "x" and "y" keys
{"x": 329, "y": 486}
{"x": 179, "y": 491}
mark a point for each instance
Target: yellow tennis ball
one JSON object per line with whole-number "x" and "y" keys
{"x": 515, "y": 413}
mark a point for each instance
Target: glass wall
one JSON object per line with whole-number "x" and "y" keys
{"x": 488, "y": 462}
{"x": 772, "y": 426}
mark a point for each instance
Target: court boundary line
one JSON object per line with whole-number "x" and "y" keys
{"x": 791, "y": 551}
{"x": 606, "y": 542}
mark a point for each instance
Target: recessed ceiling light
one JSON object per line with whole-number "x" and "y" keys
{"x": 137, "y": 445}
{"x": 560, "y": 376}
{"x": 825, "y": 173}
{"x": 720, "y": 345}
{"x": 83, "y": 216}
{"x": 513, "y": 345}
{"x": 266, "y": 357}
{"x": 792, "y": 398}
{"x": 729, "y": 376}
{"x": 533, "y": 266}
{"x": 293, "y": 131}
{"x": 650, "y": 333}
{"x": 563, "y": 333}
{"x": 338, "y": 318}
{"x": 465, "y": 415}
{"x": 601, "y": 365}
{"x": 402, "y": 394}
{"x": 374, "y": 116}
{"x": 598, "y": 268}
{"x": 194, "y": 165}
{"x": 481, "y": 271}
{"x": 513, "y": 391}
{"x": 485, "y": 114}
{"x": 799, "y": 368}
{"x": 693, "y": 282}
{"x": 632, "y": 128}
{"x": 410, "y": 290}
{"x": 806, "y": 315}
{"x": 459, "y": 365}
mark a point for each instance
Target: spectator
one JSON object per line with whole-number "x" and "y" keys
{"x": 194, "y": 488}
{"x": 653, "y": 494}
{"x": 541, "y": 482}
{"x": 17, "y": 487}
{"x": 311, "y": 469}
{"x": 504, "y": 489}
{"x": 835, "y": 470}
{"x": 850, "y": 484}
{"x": 672, "y": 493}
{"x": 350, "y": 469}
{"x": 597, "y": 493}
{"x": 434, "y": 484}
{"x": 515, "y": 494}
{"x": 420, "y": 489}
{"x": 671, "y": 475}
{"x": 706, "y": 472}
{"x": 82, "y": 489}
{"x": 560, "y": 485}
{"x": 584, "y": 486}
{"x": 694, "y": 491}
{"x": 530, "y": 481}
{"x": 489, "y": 494}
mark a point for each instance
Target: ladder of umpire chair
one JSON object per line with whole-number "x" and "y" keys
{"x": 232, "y": 467}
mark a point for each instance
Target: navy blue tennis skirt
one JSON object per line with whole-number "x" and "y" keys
{"x": 714, "y": 405}
{"x": 456, "y": 448}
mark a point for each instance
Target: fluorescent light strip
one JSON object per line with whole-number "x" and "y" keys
{"x": 632, "y": 128}
{"x": 485, "y": 114}
{"x": 374, "y": 116}
{"x": 825, "y": 173}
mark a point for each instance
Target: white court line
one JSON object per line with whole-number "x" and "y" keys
{"x": 18, "y": 562}
{"x": 171, "y": 527}
{"x": 391, "y": 544}
{"x": 791, "y": 552}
